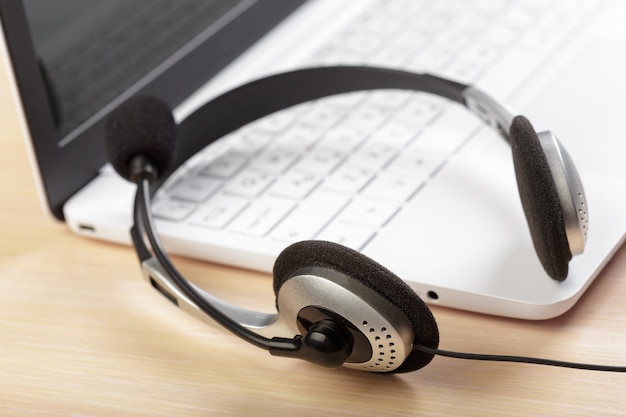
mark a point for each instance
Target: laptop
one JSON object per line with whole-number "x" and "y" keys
{"x": 341, "y": 168}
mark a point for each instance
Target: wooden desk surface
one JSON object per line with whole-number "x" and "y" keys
{"x": 81, "y": 334}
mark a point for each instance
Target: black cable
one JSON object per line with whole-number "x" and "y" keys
{"x": 518, "y": 359}
{"x": 147, "y": 226}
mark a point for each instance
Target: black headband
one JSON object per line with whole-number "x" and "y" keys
{"x": 260, "y": 98}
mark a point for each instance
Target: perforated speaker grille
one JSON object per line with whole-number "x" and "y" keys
{"x": 385, "y": 349}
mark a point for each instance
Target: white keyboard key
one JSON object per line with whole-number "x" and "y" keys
{"x": 323, "y": 115}
{"x": 260, "y": 218}
{"x": 225, "y": 165}
{"x": 361, "y": 42}
{"x": 218, "y": 211}
{"x": 367, "y": 117}
{"x": 419, "y": 110}
{"x": 295, "y": 184}
{"x": 389, "y": 55}
{"x": 395, "y": 132}
{"x": 275, "y": 159}
{"x": 349, "y": 178}
{"x": 417, "y": 163}
{"x": 194, "y": 189}
{"x": 299, "y": 136}
{"x": 349, "y": 235}
{"x": 249, "y": 183}
{"x": 454, "y": 40}
{"x": 173, "y": 210}
{"x": 430, "y": 59}
{"x": 343, "y": 138}
{"x": 368, "y": 212}
{"x": 482, "y": 53}
{"x": 391, "y": 187}
{"x": 374, "y": 154}
{"x": 310, "y": 216}
{"x": 320, "y": 160}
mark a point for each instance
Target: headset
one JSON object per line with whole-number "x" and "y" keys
{"x": 335, "y": 306}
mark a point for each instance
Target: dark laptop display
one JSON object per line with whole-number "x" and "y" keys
{"x": 90, "y": 56}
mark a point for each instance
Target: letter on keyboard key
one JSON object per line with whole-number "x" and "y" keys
{"x": 218, "y": 211}
{"x": 258, "y": 219}
{"x": 275, "y": 159}
{"x": 249, "y": 183}
{"x": 320, "y": 160}
{"x": 344, "y": 138}
{"x": 417, "y": 163}
{"x": 395, "y": 132}
{"x": 295, "y": 184}
{"x": 374, "y": 154}
{"x": 173, "y": 210}
{"x": 348, "y": 178}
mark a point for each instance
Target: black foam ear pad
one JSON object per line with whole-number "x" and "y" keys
{"x": 323, "y": 254}
{"x": 539, "y": 199}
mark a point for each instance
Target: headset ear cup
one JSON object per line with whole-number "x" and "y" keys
{"x": 540, "y": 199}
{"x": 308, "y": 254}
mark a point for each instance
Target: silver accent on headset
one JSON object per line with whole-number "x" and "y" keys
{"x": 488, "y": 110}
{"x": 566, "y": 178}
{"x": 386, "y": 328}
{"x": 569, "y": 188}
{"x": 265, "y": 324}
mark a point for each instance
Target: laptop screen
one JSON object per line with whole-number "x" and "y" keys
{"x": 74, "y": 61}
{"x": 91, "y": 52}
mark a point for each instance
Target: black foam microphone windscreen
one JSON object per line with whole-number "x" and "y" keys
{"x": 143, "y": 125}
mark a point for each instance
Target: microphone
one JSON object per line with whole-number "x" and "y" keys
{"x": 140, "y": 138}
{"x": 140, "y": 142}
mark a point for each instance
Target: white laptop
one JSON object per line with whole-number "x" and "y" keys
{"x": 453, "y": 229}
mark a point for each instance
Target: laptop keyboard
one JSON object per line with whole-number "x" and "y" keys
{"x": 341, "y": 168}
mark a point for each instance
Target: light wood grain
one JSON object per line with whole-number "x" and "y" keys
{"x": 82, "y": 335}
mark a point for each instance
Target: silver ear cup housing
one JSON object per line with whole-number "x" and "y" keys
{"x": 569, "y": 189}
{"x": 383, "y": 326}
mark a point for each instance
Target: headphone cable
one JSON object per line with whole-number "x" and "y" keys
{"x": 144, "y": 220}
{"x": 517, "y": 359}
